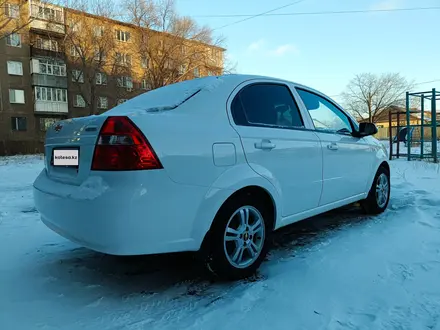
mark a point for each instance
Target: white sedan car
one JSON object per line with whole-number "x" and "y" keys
{"x": 212, "y": 165}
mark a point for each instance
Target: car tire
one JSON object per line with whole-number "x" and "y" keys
{"x": 379, "y": 194}
{"x": 238, "y": 238}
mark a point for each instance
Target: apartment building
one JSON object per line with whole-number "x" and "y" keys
{"x": 67, "y": 63}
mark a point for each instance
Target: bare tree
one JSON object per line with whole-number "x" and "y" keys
{"x": 368, "y": 95}
{"x": 93, "y": 50}
{"x": 12, "y": 17}
{"x": 171, "y": 48}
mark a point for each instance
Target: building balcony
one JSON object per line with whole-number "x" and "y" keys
{"x": 59, "y": 54}
{"x": 50, "y": 107}
{"x": 47, "y": 26}
{"x": 46, "y": 17}
{"x": 48, "y": 72}
{"x": 49, "y": 81}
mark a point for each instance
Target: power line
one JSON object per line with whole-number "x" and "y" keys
{"x": 313, "y": 13}
{"x": 426, "y": 82}
{"x": 248, "y": 17}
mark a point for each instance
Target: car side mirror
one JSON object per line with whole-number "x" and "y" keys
{"x": 366, "y": 129}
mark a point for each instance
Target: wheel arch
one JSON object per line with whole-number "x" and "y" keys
{"x": 255, "y": 191}
{"x": 385, "y": 165}
{"x": 240, "y": 178}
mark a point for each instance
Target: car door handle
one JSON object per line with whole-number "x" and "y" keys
{"x": 332, "y": 146}
{"x": 265, "y": 145}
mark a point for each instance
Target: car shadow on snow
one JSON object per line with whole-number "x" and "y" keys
{"x": 140, "y": 275}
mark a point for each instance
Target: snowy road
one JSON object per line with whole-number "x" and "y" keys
{"x": 338, "y": 271}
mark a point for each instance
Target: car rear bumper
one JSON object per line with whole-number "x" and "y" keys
{"x": 122, "y": 216}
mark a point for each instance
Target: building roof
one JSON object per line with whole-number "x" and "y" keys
{"x": 116, "y": 22}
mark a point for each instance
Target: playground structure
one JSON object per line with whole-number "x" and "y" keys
{"x": 421, "y": 139}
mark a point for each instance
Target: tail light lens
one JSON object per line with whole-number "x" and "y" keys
{"x": 121, "y": 146}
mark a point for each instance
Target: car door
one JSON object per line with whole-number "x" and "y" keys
{"x": 276, "y": 144}
{"x": 348, "y": 160}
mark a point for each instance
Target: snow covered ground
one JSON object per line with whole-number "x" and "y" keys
{"x": 341, "y": 270}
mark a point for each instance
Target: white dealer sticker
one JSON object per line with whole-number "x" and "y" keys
{"x": 65, "y": 158}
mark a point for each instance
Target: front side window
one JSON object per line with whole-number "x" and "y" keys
{"x": 325, "y": 115}
{"x": 266, "y": 105}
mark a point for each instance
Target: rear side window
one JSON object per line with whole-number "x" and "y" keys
{"x": 266, "y": 105}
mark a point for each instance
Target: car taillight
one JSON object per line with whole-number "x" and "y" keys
{"x": 121, "y": 146}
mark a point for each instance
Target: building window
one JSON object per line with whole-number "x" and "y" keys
{"x": 77, "y": 76}
{"x": 98, "y": 31}
{"x": 160, "y": 50}
{"x": 79, "y": 102}
{"x": 123, "y": 59}
{"x": 46, "y": 13}
{"x": 16, "y": 96}
{"x": 50, "y": 67}
{"x": 99, "y": 55}
{"x": 216, "y": 56}
{"x": 144, "y": 62}
{"x": 15, "y": 68}
{"x": 102, "y": 102}
{"x": 50, "y": 94}
{"x": 46, "y": 123}
{"x": 47, "y": 44}
{"x": 182, "y": 69}
{"x": 101, "y": 78}
{"x": 75, "y": 52}
{"x": 126, "y": 82}
{"x": 14, "y": 40}
{"x": 145, "y": 85}
{"x": 120, "y": 101}
{"x": 196, "y": 72}
{"x": 18, "y": 123}
{"x": 12, "y": 10}
{"x": 75, "y": 26}
{"x": 123, "y": 36}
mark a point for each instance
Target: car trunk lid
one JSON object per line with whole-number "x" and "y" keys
{"x": 72, "y": 135}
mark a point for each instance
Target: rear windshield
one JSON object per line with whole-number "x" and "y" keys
{"x": 167, "y": 97}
